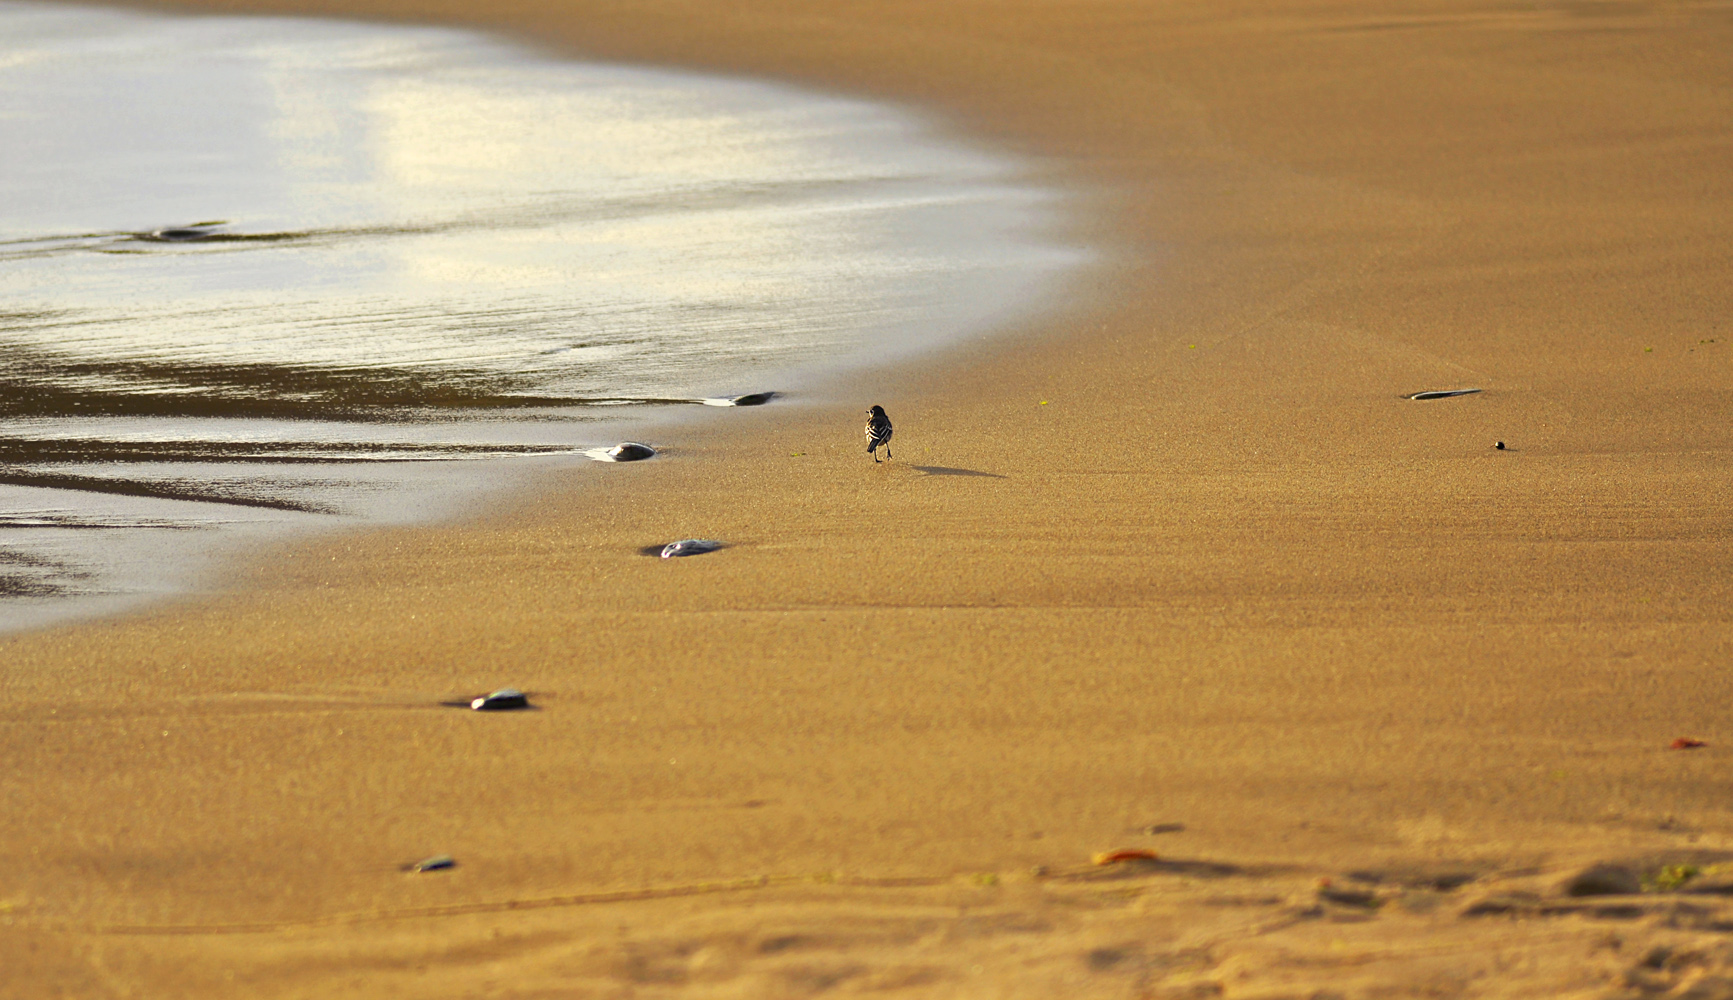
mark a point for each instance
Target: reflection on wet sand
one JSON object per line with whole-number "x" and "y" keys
{"x": 334, "y": 273}
{"x": 26, "y": 575}
{"x": 37, "y": 383}
{"x": 239, "y": 492}
{"x": 97, "y": 450}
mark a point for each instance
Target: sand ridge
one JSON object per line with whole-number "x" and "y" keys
{"x": 1178, "y": 552}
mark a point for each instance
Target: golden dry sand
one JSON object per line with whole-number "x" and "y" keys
{"x": 1177, "y": 555}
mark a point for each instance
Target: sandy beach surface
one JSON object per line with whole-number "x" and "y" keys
{"x": 1173, "y": 567}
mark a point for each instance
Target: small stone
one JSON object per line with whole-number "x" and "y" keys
{"x": 436, "y": 863}
{"x": 631, "y": 451}
{"x": 1604, "y": 880}
{"x": 501, "y": 700}
{"x": 1350, "y": 897}
{"x": 690, "y": 547}
{"x": 1499, "y": 446}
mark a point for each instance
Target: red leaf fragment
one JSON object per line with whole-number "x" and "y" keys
{"x": 1686, "y": 743}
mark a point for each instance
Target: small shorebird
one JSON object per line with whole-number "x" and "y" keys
{"x": 878, "y": 431}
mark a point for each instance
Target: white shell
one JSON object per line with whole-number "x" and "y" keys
{"x": 1442, "y": 393}
{"x": 501, "y": 699}
{"x": 750, "y": 399}
{"x": 690, "y": 547}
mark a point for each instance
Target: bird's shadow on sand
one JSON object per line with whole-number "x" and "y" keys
{"x": 940, "y": 470}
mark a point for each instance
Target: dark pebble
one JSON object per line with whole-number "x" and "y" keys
{"x": 1604, "y": 880}
{"x": 631, "y": 451}
{"x": 1350, "y": 897}
{"x": 1499, "y": 446}
{"x": 434, "y": 864}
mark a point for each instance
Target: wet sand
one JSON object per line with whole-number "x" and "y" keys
{"x": 1176, "y": 556}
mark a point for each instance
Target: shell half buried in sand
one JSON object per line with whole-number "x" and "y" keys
{"x": 690, "y": 547}
{"x": 1440, "y": 393}
{"x": 437, "y": 863}
{"x": 625, "y": 451}
{"x": 750, "y": 399}
{"x": 1121, "y": 856}
{"x": 502, "y": 700}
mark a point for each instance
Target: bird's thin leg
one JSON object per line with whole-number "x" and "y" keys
{"x": 875, "y": 458}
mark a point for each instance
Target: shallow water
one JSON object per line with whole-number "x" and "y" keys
{"x": 261, "y": 272}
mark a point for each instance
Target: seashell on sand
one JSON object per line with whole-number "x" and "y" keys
{"x": 690, "y": 547}
{"x": 501, "y": 700}
{"x": 438, "y": 862}
{"x": 1441, "y": 393}
{"x": 750, "y": 399}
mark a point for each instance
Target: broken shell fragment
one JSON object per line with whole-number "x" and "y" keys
{"x": 750, "y": 399}
{"x": 690, "y": 547}
{"x": 1441, "y": 393}
{"x": 182, "y": 234}
{"x": 625, "y": 451}
{"x": 436, "y": 863}
{"x": 1115, "y": 857}
{"x": 501, "y": 700}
